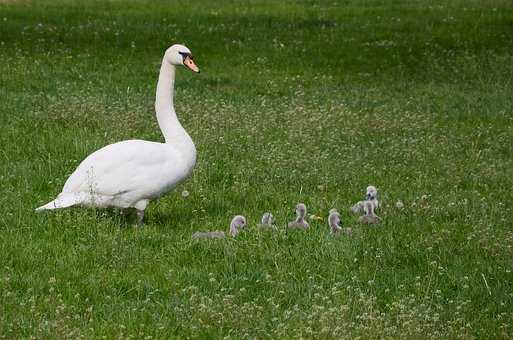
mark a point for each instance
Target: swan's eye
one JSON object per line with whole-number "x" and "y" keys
{"x": 186, "y": 55}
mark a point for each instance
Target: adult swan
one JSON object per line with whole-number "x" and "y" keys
{"x": 131, "y": 173}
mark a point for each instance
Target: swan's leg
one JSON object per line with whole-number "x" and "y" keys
{"x": 139, "y": 207}
{"x": 140, "y": 217}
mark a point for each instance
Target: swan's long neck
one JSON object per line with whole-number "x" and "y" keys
{"x": 166, "y": 116}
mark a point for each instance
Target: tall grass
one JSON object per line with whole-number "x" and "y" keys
{"x": 297, "y": 101}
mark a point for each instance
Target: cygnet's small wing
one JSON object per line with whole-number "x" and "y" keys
{"x": 358, "y": 208}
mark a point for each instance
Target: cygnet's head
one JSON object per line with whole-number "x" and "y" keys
{"x": 372, "y": 193}
{"x": 267, "y": 219}
{"x": 181, "y": 55}
{"x": 334, "y": 219}
{"x": 301, "y": 210}
{"x": 238, "y": 223}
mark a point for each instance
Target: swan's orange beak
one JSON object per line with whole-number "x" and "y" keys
{"x": 189, "y": 63}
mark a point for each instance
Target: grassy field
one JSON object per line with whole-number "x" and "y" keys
{"x": 297, "y": 101}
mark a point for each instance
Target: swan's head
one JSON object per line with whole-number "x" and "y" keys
{"x": 372, "y": 193}
{"x": 181, "y": 55}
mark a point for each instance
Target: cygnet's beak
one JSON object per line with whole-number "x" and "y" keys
{"x": 189, "y": 63}
{"x": 370, "y": 196}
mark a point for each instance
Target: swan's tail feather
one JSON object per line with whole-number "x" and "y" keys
{"x": 58, "y": 203}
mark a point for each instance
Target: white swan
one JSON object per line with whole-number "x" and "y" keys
{"x": 131, "y": 173}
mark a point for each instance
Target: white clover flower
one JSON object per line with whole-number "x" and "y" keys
{"x": 399, "y": 204}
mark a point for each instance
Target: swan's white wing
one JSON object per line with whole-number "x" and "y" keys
{"x": 130, "y": 170}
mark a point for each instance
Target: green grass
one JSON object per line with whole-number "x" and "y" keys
{"x": 297, "y": 101}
